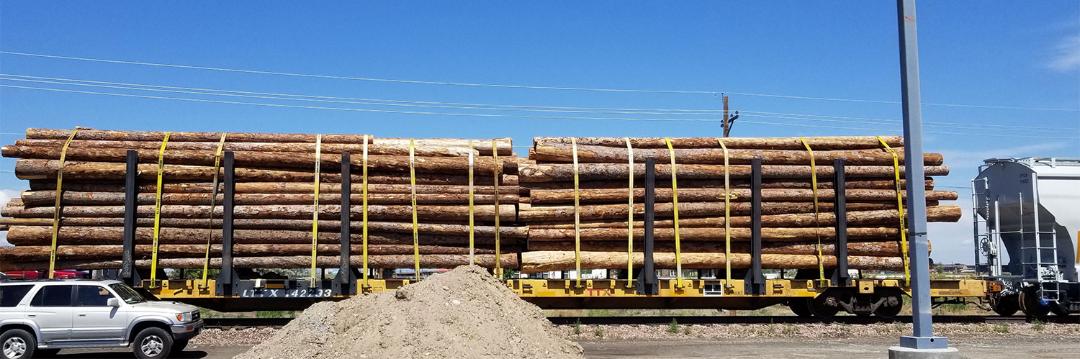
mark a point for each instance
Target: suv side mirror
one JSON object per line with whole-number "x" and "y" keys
{"x": 113, "y": 302}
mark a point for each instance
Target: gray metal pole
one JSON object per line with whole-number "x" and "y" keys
{"x": 923, "y": 331}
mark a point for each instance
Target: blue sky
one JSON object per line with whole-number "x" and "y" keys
{"x": 1019, "y": 62}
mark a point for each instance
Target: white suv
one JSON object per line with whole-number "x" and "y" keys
{"x": 46, "y": 316}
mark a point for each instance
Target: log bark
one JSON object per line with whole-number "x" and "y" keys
{"x": 855, "y": 219}
{"x": 71, "y": 198}
{"x": 772, "y": 143}
{"x": 296, "y": 147}
{"x": 41, "y": 235}
{"x": 601, "y": 154}
{"x": 376, "y": 261}
{"x": 274, "y": 187}
{"x": 542, "y": 261}
{"x": 252, "y": 159}
{"x": 40, "y": 253}
{"x": 609, "y": 171}
{"x": 425, "y": 213}
{"x": 870, "y": 249}
{"x": 538, "y": 214}
{"x": 857, "y": 234}
{"x": 619, "y": 195}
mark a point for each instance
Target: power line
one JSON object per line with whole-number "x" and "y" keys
{"x": 424, "y": 104}
{"x": 352, "y": 100}
{"x": 522, "y": 86}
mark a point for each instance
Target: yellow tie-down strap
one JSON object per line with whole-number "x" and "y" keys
{"x": 899, "y": 207}
{"x": 630, "y": 214}
{"x": 498, "y": 213}
{"x": 577, "y": 216}
{"x": 472, "y": 206}
{"x": 817, "y": 213}
{"x": 727, "y": 216}
{"x": 157, "y": 211}
{"x": 415, "y": 223}
{"x": 56, "y": 204}
{"x": 675, "y": 215}
{"x": 315, "y": 214}
{"x": 213, "y": 203}
{"x": 363, "y": 212}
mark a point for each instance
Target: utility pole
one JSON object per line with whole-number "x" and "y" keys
{"x": 728, "y": 120}
{"x": 922, "y": 343}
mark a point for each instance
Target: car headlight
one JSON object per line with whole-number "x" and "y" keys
{"x": 184, "y": 317}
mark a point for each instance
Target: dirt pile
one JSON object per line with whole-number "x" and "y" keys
{"x": 464, "y": 313}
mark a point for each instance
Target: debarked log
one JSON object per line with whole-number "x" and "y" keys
{"x": 543, "y": 261}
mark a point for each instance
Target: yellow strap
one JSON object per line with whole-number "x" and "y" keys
{"x": 899, "y": 207}
{"x": 675, "y": 214}
{"x": 56, "y": 208}
{"x": 415, "y": 223}
{"x": 577, "y": 216}
{"x": 817, "y": 214}
{"x": 213, "y": 203}
{"x": 315, "y": 213}
{"x": 472, "y": 204}
{"x": 498, "y": 213}
{"x": 727, "y": 215}
{"x": 630, "y": 215}
{"x": 363, "y": 211}
{"x": 157, "y": 211}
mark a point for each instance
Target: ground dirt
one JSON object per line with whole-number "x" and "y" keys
{"x": 464, "y": 313}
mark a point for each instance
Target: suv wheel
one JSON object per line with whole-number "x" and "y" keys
{"x": 152, "y": 343}
{"x": 17, "y": 344}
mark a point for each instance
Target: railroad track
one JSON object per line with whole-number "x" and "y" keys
{"x": 233, "y": 323}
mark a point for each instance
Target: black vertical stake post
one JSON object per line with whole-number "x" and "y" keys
{"x": 755, "y": 281}
{"x": 227, "y": 279}
{"x": 647, "y": 282}
{"x": 128, "y": 272}
{"x": 345, "y": 281}
{"x": 840, "y": 275}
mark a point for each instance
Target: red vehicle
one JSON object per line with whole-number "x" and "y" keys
{"x": 34, "y": 275}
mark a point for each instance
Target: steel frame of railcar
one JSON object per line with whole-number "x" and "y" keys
{"x": 229, "y": 292}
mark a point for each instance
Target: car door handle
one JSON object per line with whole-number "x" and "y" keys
{"x": 32, "y": 315}
{"x": 82, "y": 315}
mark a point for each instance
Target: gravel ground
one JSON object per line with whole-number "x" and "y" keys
{"x": 252, "y": 336}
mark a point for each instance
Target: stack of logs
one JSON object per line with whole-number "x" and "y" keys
{"x": 274, "y": 199}
{"x": 791, "y": 229}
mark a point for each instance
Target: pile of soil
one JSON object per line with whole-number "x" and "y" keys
{"x": 464, "y": 313}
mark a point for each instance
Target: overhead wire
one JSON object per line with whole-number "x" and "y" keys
{"x": 490, "y": 107}
{"x": 523, "y": 86}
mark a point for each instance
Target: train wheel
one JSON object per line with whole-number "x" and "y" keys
{"x": 822, "y": 309}
{"x": 801, "y": 307}
{"x": 894, "y": 302}
{"x": 1059, "y": 310}
{"x": 1005, "y": 305}
{"x": 1032, "y": 306}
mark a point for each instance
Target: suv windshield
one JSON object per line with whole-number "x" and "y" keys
{"x": 130, "y": 296}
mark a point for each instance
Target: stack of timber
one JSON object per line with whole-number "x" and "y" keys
{"x": 283, "y": 184}
{"x": 606, "y": 178}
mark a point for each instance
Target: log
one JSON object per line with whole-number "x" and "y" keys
{"x": 426, "y": 213}
{"x": 251, "y": 159}
{"x": 609, "y": 171}
{"x": 735, "y": 183}
{"x": 543, "y": 261}
{"x": 772, "y": 143}
{"x": 537, "y": 214}
{"x": 871, "y": 249}
{"x": 855, "y": 219}
{"x": 274, "y": 187}
{"x": 376, "y": 261}
{"x": 41, "y": 235}
{"x": 855, "y": 234}
{"x": 296, "y": 147}
{"x": 48, "y": 198}
{"x": 619, "y": 195}
{"x": 481, "y": 231}
{"x": 564, "y": 153}
{"x": 40, "y": 253}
